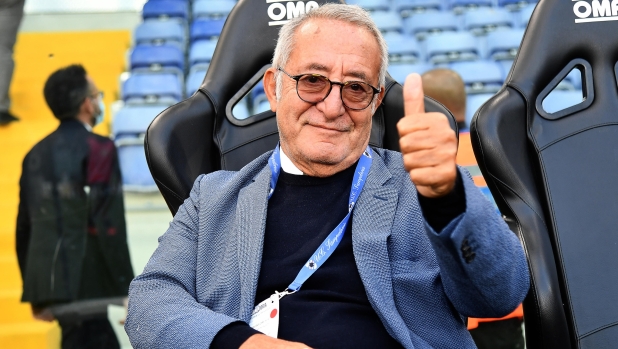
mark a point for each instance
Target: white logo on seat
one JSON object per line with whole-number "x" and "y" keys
{"x": 281, "y": 13}
{"x": 595, "y": 11}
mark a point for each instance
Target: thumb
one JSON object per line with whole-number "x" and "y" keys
{"x": 413, "y": 97}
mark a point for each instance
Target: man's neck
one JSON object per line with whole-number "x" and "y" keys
{"x": 288, "y": 166}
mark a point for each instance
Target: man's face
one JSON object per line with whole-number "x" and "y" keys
{"x": 326, "y": 134}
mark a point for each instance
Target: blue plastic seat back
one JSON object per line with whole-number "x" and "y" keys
{"x": 480, "y": 76}
{"x": 157, "y": 57}
{"x": 452, "y": 47}
{"x": 525, "y": 14}
{"x": 407, "y": 8}
{"x": 560, "y": 100}
{"x": 399, "y": 72}
{"x": 135, "y": 173}
{"x": 424, "y": 24}
{"x": 161, "y": 87}
{"x": 195, "y": 78}
{"x": 504, "y": 44}
{"x": 164, "y": 9}
{"x": 159, "y": 33}
{"x": 206, "y": 29}
{"x": 201, "y": 51}
{"x": 460, "y": 6}
{"x": 371, "y": 5}
{"x": 485, "y": 20}
{"x": 388, "y": 21}
{"x": 212, "y": 9}
{"x": 473, "y": 103}
{"x": 133, "y": 121}
{"x": 515, "y": 5}
{"x": 403, "y": 49}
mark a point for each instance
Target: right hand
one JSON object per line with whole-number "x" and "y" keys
{"x": 262, "y": 341}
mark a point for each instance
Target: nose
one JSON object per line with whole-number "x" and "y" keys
{"x": 332, "y": 107}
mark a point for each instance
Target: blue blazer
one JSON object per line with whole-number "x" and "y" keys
{"x": 204, "y": 272}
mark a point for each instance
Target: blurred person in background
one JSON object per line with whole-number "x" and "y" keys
{"x": 447, "y": 87}
{"x": 11, "y": 12}
{"x": 71, "y": 232}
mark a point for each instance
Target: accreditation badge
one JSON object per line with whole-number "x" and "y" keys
{"x": 265, "y": 316}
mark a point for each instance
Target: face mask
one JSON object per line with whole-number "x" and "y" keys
{"x": 98, "y": 118}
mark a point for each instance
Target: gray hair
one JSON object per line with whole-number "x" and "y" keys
{"x": 347, "y": 13}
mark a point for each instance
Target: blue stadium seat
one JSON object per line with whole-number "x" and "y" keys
{"x": 159, "y": 33}
{"x": 388, "y": 21}
{"x": 559, "y": 100}
{"x": 423, "y": 24}
{"x": 212, "y": 9}
{"x": 156, "y": 58}
{"x": 133, "y": 121}
{"x": 452, "y": 47}
{"x": 515, "y": 5}
{"x": 480, "y": 76}
{"x": 503, "y": 44}
{"x": 152, "y": 88}
{"x": 473, "y": 103}
{"x": 399, "y": 72}
{"x": 257, "y": 93}
{"x": 406, "y": 8}
{"x": 128, "y": 128}
{"x": 195, "y": 78}
{"x": 371, "y": 5}
{"x": 525, "y": 14}
{"x": 201, "y": 51}
{"x": 136, "y": 176}
{"x": 506, "y": 67}
{"x": 164, "y": 9}
{"x": 241, "y": 110}
{"x": 403, "y": 49}
{"x": 460, "y": 6}
{"x": 484, "y": 20}
{"x": 206, "y": 29}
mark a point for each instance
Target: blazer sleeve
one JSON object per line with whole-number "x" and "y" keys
{"x": 482, "y": 263}
{"x": 163, "y": 310}
{"x": 22, "y": 229}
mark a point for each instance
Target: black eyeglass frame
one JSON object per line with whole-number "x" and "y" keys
{"x": 297, "y": 78}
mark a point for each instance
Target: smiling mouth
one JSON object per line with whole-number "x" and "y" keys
{"x": 331, "y": 129}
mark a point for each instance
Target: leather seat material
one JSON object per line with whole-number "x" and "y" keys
{"x": 554, "y": 178}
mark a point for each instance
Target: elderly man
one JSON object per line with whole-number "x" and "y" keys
{"x": 325, "y": 242}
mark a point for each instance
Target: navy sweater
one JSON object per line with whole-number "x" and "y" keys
{"x": 331, "y": 310}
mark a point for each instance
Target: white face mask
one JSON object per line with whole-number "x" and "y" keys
{"x": 98, "y": 117}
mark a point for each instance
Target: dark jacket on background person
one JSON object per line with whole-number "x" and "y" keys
{"x": 71, "y": 233}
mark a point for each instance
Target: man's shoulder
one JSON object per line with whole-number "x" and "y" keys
{"x": 391, "y": 160}
{"x": 224, "y": 180}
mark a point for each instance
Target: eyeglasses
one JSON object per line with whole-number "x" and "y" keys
{"x": 314, "y": 88}
{"x": 98, "y": 94}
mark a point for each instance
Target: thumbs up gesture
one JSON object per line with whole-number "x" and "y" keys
{"x": 427, "y": 142}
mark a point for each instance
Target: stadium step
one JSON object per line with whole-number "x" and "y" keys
{"x": 30, "y": 335}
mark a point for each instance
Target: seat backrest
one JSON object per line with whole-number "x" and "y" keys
{"x": 201, "y": 134}
{"x": 553, "y": 175}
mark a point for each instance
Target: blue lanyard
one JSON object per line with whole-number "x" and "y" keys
{"x": 329, "y": 245}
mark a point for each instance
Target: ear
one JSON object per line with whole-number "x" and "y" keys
{"x": 270, "y": 88}
{"x": 87, "y": 107}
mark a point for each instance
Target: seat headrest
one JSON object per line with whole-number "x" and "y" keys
{"x": 252, "y": 38}
{"x": 564, "y": 31}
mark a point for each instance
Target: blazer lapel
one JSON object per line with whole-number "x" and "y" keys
{"x": 250, "y": 224}
{"x": 371, "y": 227}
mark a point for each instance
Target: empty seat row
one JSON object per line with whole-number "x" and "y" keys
{"x": 175, "y": 9}
{"x": 478, "y": 22}
{"x": 407, "y": 7}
